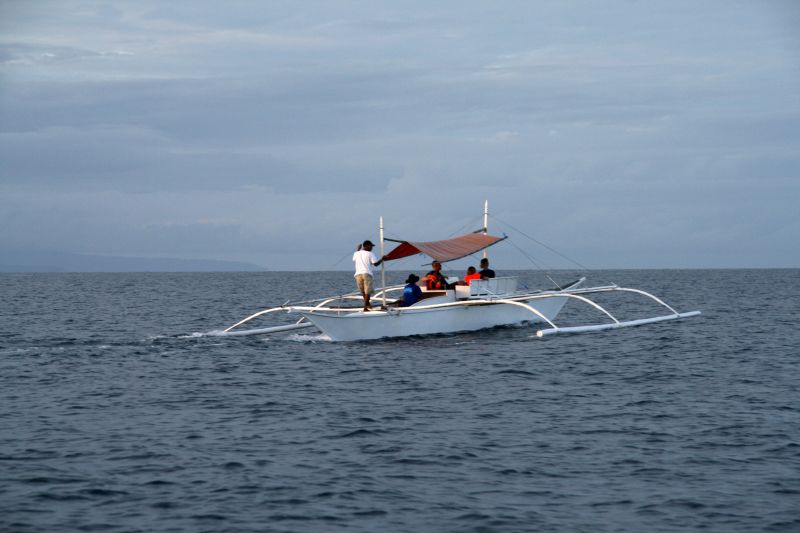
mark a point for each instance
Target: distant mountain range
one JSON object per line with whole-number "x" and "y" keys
{"x": 54, "y": 261}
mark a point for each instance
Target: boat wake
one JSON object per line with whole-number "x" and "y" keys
{"x": 198, "y": 334}
{"x": 299, "y": 337}
{"x": 296, "y": 337}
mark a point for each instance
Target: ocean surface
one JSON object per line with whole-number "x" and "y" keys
{"x": 120, "y": 410}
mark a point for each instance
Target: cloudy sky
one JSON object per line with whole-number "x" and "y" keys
{"x": 630, "y": 134}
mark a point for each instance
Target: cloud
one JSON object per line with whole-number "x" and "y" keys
{"x": 31, "y": 54}
{"x": 277, "y": 133}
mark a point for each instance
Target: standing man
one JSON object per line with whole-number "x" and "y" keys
{"x": 486, "y": 272}
{"x": 364, "y": 260}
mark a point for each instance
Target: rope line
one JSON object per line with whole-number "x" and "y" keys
{"x": 535, "y": 263}
{"x": 573, "y": 261}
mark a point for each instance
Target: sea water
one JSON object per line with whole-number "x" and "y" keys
{"x": 120, "y": 410}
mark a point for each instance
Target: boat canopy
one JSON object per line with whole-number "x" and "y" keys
{"x": 446, "y": 250}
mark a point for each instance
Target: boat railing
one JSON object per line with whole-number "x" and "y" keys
{"x": 492, "y": 287}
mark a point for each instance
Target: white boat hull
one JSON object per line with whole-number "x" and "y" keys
{"x": 470, "y": 308}
{"x": 352, "y": 326}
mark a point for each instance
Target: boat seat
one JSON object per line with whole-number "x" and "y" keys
{"x": 431, "y": 294}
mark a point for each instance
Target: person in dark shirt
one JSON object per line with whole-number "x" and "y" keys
{"x": 411, "y": 293}
{"x": 486, "y": 272}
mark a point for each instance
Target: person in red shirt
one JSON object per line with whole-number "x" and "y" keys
{"x": 471, "y": 274}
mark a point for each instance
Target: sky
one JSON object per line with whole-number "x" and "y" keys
{"x": 621, "y": 133}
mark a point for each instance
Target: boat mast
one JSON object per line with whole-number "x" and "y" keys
{"x": 485, "y": 224}
{"x": 383, "y": 266}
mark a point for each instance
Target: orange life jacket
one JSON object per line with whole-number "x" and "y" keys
{"x": 434, "y": 282}
{"x": 470, "y": 277}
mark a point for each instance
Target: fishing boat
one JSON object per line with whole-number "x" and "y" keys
{"x": 482, "y": 304}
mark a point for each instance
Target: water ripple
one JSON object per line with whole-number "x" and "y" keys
{"x": 134, "y": 423}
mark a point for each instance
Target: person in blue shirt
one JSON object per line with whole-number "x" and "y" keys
{"x": 411, "y": 292}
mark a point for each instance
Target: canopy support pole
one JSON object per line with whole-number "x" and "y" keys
{"x": 485, "y": 225}
{"x": 383, "y": 266}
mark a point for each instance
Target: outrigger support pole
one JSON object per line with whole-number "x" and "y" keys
{"x": 264, "y": 331}
{"x": 614, "y": 325}
{"x": 251, "y": 317}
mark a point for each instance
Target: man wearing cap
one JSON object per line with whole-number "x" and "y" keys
{"x": 364, "y": 260}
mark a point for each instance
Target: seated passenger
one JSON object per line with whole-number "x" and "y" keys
{"x": 434, "y": 279}
{"x": 411, "y": 293}
{"x": 471, "y": 274}
{"x": 486, "y": 272}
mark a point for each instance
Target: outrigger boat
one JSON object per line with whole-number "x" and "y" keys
{"x": 482, "y": 304}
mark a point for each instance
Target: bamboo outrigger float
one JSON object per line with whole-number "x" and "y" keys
{"x": 485, "y": 303}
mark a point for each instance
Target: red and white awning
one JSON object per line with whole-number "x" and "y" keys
{"x": 446, "y": 250}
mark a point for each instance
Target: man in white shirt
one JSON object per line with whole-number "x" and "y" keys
{"x": 364, "y": 260}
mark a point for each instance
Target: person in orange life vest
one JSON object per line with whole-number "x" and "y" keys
{"x": 435, "y": 279}
{"x": 471, "y": 274}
